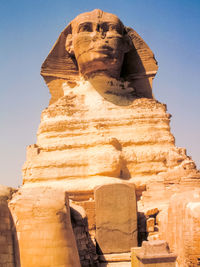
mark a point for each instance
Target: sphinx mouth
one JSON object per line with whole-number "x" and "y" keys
{"x": 106, "y": 47}
{"x": 102, "y": 49}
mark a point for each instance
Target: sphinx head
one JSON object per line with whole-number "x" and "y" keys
{"x": 98, "y": 41}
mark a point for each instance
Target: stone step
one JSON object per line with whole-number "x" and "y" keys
{"x": 117, "y": 259}
{"x": 115, "y": 264}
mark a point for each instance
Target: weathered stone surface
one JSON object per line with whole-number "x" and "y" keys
{"x": 85, "y": 241}
{"x": 86, "y": 137}
{"x": 155, "y": 252}
{"x": 6, "y": 192}
{"x": 70, "y": 146}
{"x": 151, "y": 212}
{"x": 89, "y": 209}
{"x": 116, "y": 218}
{"x": 150, "y": 224}
{"x": 6, "y": 229}
{"x": 44, "y": 232}
{"x": 134, "y": 259}
{"x": 182, "y": 229}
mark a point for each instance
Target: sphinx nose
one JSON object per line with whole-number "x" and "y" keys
{"x": 98, "y": 35}
{"x": 103, "y": 34}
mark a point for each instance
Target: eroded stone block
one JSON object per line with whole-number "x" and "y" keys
{"x": 155, "y": 253}
{"x": 150, "y": 224}
{"x": 183, "y": 227}
{"x": 44, "y": 232}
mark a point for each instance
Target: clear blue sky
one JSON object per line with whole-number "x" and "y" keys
{"x": 28, "y": 30}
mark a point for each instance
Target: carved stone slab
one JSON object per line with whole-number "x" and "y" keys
{"x": 116, "y": 217}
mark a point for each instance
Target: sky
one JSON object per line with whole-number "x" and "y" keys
{"x": 28, "y": 30}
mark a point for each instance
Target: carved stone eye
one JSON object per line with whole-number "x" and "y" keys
{"x": 85, "y": 27}
{"x": 116, "y": 27}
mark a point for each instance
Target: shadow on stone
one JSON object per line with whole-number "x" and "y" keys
{"x": 8, "y": 242}
{"x": 142, "y": 233}
{"x": 16, "y": 249}
{"x": 86, "y": 247}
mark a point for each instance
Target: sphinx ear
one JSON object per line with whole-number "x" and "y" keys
{"x": 69, "y": 44}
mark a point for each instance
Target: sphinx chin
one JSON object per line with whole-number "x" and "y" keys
{"x": 100, "y": 64}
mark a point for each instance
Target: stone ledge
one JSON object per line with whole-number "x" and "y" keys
{"x": 115, "y": 264}
{"x": 157, "y": 259}
{"x": 119, "y": 257}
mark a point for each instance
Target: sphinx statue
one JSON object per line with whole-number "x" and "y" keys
{"x": 103, "y": 126}
{"x": 103, "y": 123}
{"x": 97, "y": 64}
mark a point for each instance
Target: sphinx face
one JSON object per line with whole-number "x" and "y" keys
{"x": 98, "y": 43}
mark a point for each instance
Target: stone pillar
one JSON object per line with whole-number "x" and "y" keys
{"x": 153, "y": 254}
{"x": 44, "y": 232}
{"x": 6, "y": 241}
{"x": 183, "y": 227}
{"x": 116, "y": 217}
{"x": 6, "y": 237}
